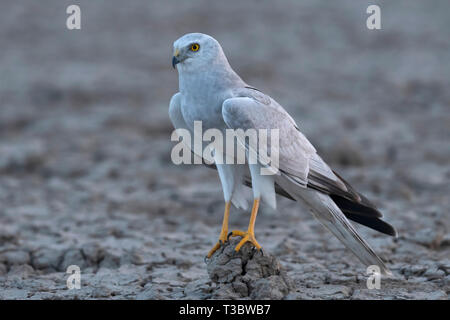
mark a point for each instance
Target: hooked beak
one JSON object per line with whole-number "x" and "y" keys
{"x": 175, "y": 61}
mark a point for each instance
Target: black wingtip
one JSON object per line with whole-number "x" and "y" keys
{"x": 366, "y": 208}
{"x": 373, "y": 223}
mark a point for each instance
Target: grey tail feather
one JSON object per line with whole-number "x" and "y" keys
{"x": 330, "y": 216}
{"x": 347, "y": 234}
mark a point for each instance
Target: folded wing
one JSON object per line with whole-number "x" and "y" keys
{"x": 298, "y": 160}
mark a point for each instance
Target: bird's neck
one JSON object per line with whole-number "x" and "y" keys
{"x": 212, "y": 78}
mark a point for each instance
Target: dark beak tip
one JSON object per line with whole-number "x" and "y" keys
{"x": 175, "y": 61}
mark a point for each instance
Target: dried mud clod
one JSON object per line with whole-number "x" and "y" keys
{"x": 247, "y": 273}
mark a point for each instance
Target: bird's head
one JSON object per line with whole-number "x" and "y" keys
{"x": 196, "y": 51}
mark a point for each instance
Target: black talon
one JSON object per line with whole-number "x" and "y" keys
{"x": 228, "y": 236}
{"x": 261, "y": 251}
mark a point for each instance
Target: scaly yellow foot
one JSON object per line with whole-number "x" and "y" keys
{"x": 223, "y": 234}
{"x": 247, "y": 236}
{"x": 222, "y": 240}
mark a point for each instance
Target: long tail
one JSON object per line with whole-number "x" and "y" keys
{"x": 328, "y": 213}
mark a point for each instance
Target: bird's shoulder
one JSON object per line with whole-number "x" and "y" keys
{"x": 252, "y": 93}
{"x": 266, "y": 103}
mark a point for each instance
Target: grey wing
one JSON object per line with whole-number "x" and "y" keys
{"x": 298, "y": 160}
{"x": 303, "y": 172}
{"x": 250, "y": 109}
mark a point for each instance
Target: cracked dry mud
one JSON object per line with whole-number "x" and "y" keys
{"x": 85, "y": 170}
{"x": 248, "y": 273}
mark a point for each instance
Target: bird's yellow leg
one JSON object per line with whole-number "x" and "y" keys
{"x": 224, "y": 232}
{"x": 249, "y": 235}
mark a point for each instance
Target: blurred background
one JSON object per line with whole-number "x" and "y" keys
{"x": 85, "y": 170}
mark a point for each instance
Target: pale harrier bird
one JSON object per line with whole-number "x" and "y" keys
{"x": 211, "y": 92}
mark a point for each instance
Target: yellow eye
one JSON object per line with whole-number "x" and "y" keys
{"x": 195, "y": 47}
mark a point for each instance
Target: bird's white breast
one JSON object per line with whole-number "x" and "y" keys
{"x": 202, "y": 97}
